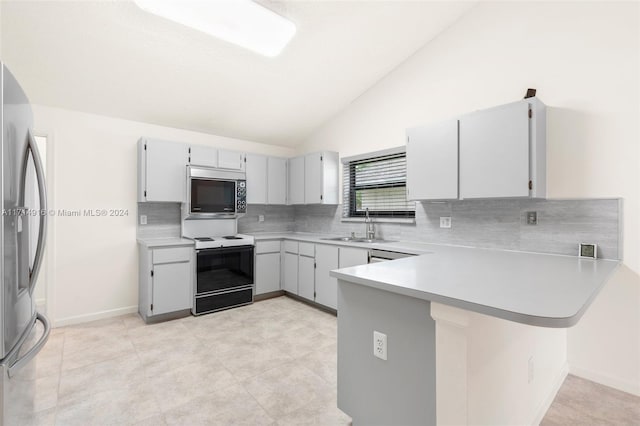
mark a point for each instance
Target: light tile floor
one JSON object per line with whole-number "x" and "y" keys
{"x": 581, "y": 402}
{"x": 273, "y": 362}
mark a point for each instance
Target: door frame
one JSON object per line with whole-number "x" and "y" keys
{"x": 49, "y": 252}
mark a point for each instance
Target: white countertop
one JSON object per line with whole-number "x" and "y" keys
{"x": 400, "y": 246}
{"x": 530, "y": 288}
{"x": 165, "y": 242}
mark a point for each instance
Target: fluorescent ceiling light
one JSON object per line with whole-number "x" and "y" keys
{"x": 240, "y": 22}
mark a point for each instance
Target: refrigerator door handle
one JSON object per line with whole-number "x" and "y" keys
{"x": 42, "y": 234}
{"x": 21, "y": 362}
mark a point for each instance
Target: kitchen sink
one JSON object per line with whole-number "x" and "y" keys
{"x": 339, "y": 239}
{"x": 357, "y": 240}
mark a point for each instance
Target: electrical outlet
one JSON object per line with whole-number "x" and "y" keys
{"x": 261, "y": 218}
{"x": 143, "y": 219}
{"x": 530, "y": 370}
{"x": 532, "y": 218}
{"x": 380, "y": 345}
{"x": 445, "y": 222}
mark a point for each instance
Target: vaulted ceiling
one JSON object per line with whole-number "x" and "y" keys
{"x": 112, "y": 58}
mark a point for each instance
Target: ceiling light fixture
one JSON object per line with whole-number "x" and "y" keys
{"x": 241, "y": 22}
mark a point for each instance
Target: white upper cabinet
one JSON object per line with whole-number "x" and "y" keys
{"x": 266, "y": 179}
{"x": 256, "y": 170}
{"x": 432, "y": 161}
{"x": 207, "y": 156}
{"x": 321, "y": 178}
{"x": 230, "y": 160}
{"x": 162, "y": 173}
{"x": 204, "y": 156}
{"x": 296, "y": 180}
{"x": 493, "y": 153}
{"x": 276, "y": 180}
{"x": 313, "y": 178}
{"x": 502, "y": 151}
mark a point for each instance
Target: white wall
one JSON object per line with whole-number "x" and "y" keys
{"x": 583, "y": 59}
{"x": 93, "y": 261}
{"x": 482, "y": 361}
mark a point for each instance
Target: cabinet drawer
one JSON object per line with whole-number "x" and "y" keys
{"x": 171, "y": 255}
{"x": 308, "y": 249}
{"x": 291, "y": 246}
{"x": 267, "y": 247}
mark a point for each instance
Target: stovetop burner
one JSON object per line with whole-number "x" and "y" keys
{"x": 204, "y": 239}
{"x": 232, "y": 237}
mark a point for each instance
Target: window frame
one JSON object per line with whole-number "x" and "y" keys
{"x": 372, "y": 158}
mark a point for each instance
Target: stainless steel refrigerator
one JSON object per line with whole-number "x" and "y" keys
{"x": 20, "y": 339}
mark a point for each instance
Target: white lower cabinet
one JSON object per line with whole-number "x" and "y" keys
{"x": 267, "y": 267}
{"x": 306, "y": 277}
{"x": 307, "y": 267}
{"x": 290, "y": 270}
{"x": 350, "y": 256}
{"x": 165, "y": 280}
{"x": 171, "y": 289}
{"x": 326, "y": 286}
{"x": 267, "y": 273}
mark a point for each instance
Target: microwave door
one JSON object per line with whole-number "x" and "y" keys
{"x": 210, "y": 196}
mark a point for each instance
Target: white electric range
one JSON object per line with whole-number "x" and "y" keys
{"x": 224, "y": 264}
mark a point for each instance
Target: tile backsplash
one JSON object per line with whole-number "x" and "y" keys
{"x": 163, "y": 220}
{"x": 276, "y": 219}
{"x": 562, "y": 224}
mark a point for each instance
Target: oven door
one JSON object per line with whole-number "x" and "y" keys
{"x": 212, "y": 197}
{"x": 224, "y": 268}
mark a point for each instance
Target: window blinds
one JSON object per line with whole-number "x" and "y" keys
{"x": 377, "y": 183}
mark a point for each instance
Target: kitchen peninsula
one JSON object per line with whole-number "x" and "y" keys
{"x": 407, "y": 299}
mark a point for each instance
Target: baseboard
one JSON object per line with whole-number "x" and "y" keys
{"x": 546, "y": 403}
{"x": 79, "y": 319}
{"x": 41, "y": 304}
{"x": 311, "y": 303}
{"x": 606, "y": 380}
{"x": 265, "y": 296}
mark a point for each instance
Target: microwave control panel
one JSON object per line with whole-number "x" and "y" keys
{"x": 241, "y": 196}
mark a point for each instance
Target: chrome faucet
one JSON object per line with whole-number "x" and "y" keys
{"x": 369, "y": 226}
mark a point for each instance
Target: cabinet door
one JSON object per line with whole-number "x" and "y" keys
{"x": 296, "y": 180}
{"x": 171, "y": 287}
{"x": 290, "y": 281}
{"x": 353, "y": 257}
{"x": 166, "y": 171}
{"x": 326, "y": 285}
{"x": 432, "y": 161}
{"x": 267, "y": 273}
{"x": 313, "y": 178}
{"x": 494, "y": 152}
{"x": 230, "y": 160}
{"x": 256, "y": 170}
{"x": 276, "y": 180}
{"x": 306, "y": 277}
{"x": 204, "y": 156}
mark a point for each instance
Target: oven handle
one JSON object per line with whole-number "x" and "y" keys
{"x": 221, "y": 250}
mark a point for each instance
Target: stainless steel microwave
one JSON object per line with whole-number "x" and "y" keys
{"x": 216, "y": 193}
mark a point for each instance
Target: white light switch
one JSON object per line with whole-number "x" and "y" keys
{"x": 143, "y": 219}
{"x": 261, "y": 218}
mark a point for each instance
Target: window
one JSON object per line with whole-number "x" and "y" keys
{"x": 377, "y": 181}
